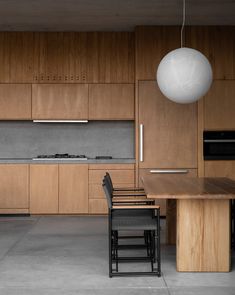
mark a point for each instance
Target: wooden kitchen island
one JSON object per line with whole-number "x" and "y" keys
{"x": 203, "y": 219}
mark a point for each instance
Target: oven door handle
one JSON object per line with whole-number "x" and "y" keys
{"x": 219, "y": 140}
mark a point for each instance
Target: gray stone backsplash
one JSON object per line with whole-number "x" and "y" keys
{"x": 96, "y": 138}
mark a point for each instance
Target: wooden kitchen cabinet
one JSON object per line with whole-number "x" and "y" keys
{"x": 15, "y": 102}
{"x": 219, "y": 106}
{"x": 220, "y": 169}
{"x": 123, "y": 175}
{"x": 60, "y": 101}
{"x": 44, "y": 189}
{"x": 14, "y": 188}
{"x": 169, "y": 130}
{"x": 73, "y": 188}
{"x": 111, "y": 102}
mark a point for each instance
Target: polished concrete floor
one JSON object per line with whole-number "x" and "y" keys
{"x": 68, "y": 255}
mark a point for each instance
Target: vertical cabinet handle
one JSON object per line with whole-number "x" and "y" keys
{"x": 141, "y": 142}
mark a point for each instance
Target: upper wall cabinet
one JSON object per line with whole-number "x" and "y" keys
{"x": 152, "y": 44}
{"x": 219, "y": 106}
{"x": 111, "y": 101}
{"x": 67, "y": 57}
{"x": 218, "y": 44}
{"x": 169, "y": 138}
{"x": 60, "y": 101}
{"x": 15, "y": 101}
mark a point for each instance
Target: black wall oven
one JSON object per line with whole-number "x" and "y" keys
{"x": 219, "y": 145}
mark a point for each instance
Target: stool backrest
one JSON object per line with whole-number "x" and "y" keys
{"x": 109, "y": 179}
{"x": 108, "y": 185}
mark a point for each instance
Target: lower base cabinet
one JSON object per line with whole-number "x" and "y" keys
{"x": 73, "y": 189}
{"x": 14, "y": 188}
{"x": 59, "y": 189}
{"x": 44, "y": 189}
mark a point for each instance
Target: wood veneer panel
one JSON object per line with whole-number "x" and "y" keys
{"x": 23, "y": 59}
{"x": 14, "y": 186}
{"x": 220, "y": 169}
{"x": 98, "y": 206}
{"x": 170, "y": 130}
{"x": 73, "y": 188}
{"x": 15, "y": 102}
{"x": 203, "y": 235}
{"x": 4, "y": 57}
{"x": 111, "y": 102}
{"x": 110, "y": 57}
{"x": 43, "y": 189}
{"x": 152, "y": 44}
{"x": 218, "y": 44}
{"x": 60, "y": 101}
{"x": 219, "y": 106}
{"x": 118, "y": 176}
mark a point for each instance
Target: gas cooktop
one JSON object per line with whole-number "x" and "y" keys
{"x": 60, "y": 157}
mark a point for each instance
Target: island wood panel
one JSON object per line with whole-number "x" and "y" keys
{"x": 60, "y": 101}
{"x": 152, "y": 44}
{"x": 220, "y": 169}
{"x": 217, "y": 43}
{"x": 203, "y": 219}
{"x": 219, "y": 106}
{"x": 167, "y": 207}
{"x": 170, "y": 130}
{"x": 73, "y": 188}
{"x": 111, "y": 102}
{"x": 15, "y": 102}
{"x": 14, "y": 188}
{"x": 203, "y": 235}
{"x": 44, "y": 189}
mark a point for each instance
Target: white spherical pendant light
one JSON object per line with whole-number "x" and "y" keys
{"x": 184, "y": 75}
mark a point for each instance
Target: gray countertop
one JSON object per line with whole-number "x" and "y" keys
{"x": 57, "y": 161}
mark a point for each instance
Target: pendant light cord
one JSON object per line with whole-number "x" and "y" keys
{"x": 183, "y": 24}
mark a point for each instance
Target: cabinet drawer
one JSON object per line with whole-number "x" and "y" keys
{"x": 111, "y": 167}
{"x": 118, "y": 176}
{"x": 96, "y": 191}
{"x": 98, "y": 206}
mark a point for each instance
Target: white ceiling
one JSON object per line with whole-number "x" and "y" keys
{"x": 110, "y": 15}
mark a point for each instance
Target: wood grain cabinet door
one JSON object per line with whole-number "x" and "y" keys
{"x": 111, "y": 101}
{"x": 219, "y": 106}
{"x": 73, "y": 188}
{"x": 15, "y": 102}
{"x": 60, "y": 101}
{"x": 169, "y": 130}
{"x": 14, "y": 186}
{"x": 43, "y": 189}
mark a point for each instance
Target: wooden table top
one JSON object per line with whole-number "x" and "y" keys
{"x": 173, "y": 187}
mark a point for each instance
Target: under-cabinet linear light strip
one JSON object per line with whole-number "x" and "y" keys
{"x": 60, "y": 121}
